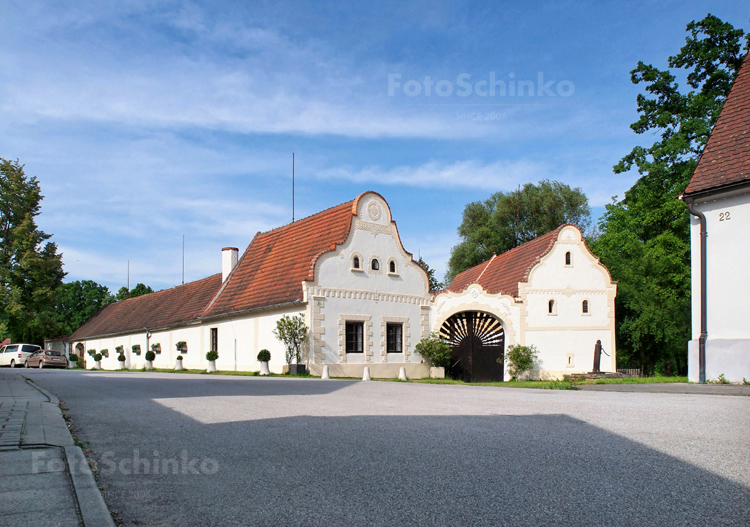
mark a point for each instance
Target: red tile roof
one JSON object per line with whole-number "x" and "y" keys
{"x": 501, "y": 273}
{"x": 275, "y": 264}
{"x": 726, "y": 157}
{"x": 163, "y": 308}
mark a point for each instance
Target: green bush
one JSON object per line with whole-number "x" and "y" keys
{"x": 119, "y": 349}
{"x": 520, "y": 359}
{"x": 435, "y": 349}
{"x": 150, "y": 355}
{"x": 264, "y": 356}
{"x": 156, "y": 348}
{"x": 136, "y": 349}
{"x": 293, "y": 333}
{"x": 73, "y": 358}
{"x": 104, "y": 352}
{"x": 91, "y": 352}
{"x": 98, "y": 357}
{"x": 121, "y": 358}
{"x": 212, "y": 355}
{"x": 80, "y": 362}
{"x": 179, "y": 357}
{"x": 181, "y": 346}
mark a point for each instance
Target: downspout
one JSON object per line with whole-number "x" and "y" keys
{"x": 704, "y": 294}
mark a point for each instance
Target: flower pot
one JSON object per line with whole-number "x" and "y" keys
{"x": 211, "y": 366}
{"x": 178, "y": 365}
{"x": 120, "y": 364}
{"x": 264, "y": 368}
{"x": 296, "y": 369}
{"x": 149, "y": 365}
{"x": 97, "y": 365}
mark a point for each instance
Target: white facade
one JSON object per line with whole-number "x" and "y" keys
{"x": 728, "y": 286}
{"x": 370, "y": 279}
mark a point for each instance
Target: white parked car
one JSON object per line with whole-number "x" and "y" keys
{"x": 16, "y": 354}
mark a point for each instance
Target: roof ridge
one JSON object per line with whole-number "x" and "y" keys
{"x": 306, "y": 218}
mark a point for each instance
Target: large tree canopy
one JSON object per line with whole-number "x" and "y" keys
{"x": 644, "y": 237}
{"x": 77, "y": 301}
{"x": 30, "y": 269}
{"x": 507, "y": 220}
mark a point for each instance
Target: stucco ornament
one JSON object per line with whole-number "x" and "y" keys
{"x": 373, "y": 210}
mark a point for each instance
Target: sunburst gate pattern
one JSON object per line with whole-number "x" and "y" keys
{"x": 473, "y": 323}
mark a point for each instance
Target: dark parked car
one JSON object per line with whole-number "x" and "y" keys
{"x": 47, "y": 359}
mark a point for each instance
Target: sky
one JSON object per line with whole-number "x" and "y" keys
{"x": 146, "y": 121}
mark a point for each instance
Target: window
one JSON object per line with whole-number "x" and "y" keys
{"x": 551, "y": 307}
{"x": 354, "y": 337}
{"x": 375, "y": 265}
{"x": 355, "y": 262}
{"x": 568, "y": 258}
{"x": 394, "y": 338}
{"x": 392, "y": 267}
{"x": 585, "y": 307}
{"x": 214, "y": 339}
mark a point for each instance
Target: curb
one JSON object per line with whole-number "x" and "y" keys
{"x": 91, "y": 505}
{"x": 54, "y": 400}
{"x": 94, "y": 511}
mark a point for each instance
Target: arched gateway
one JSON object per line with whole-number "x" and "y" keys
{"x": 477, "y": 341}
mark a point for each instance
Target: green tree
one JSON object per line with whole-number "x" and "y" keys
{"x": 507, "y": 220}
{"x": 293, "y": 333}
{"x": 644, "y": 237}
{"x": 30, "y": 269}
{"x": 435, "y": 284}
{"x": 123, "y": 293}
{"x": 520, "y": 359}
{"x": 77, "y": 302}
{"x": 435, "y": 349}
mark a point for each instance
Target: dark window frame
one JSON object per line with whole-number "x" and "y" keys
{"x": 214, "y": 339}
{"x": 585, "y": 307}
{"x": 355, "y": 333}
{"x": 375, "y": 264}
{"x": 394, "y": 337}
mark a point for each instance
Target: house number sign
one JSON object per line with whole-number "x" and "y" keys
{"x": 723, "y": 216}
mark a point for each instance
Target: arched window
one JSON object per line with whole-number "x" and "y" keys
{"x": 375, "y": 265}
{"x": 355, "y": 262}
{"x": 568, "y": 259}
{"x": 392, "y": 267}
{"x": 551, "y": 307}
{"x": 585, "y": 307}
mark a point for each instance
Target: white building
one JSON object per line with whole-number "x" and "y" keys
{"x": 718, "y": 197}
{"x": 367, "y": 303}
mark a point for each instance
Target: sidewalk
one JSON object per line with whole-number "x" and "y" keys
{"x": 681, "y": 388}
{"x": 46, "y": 479}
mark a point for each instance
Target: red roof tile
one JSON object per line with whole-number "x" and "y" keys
{"x": 726, "y": 157}
{"x": 163, "y": 308}
{"x": 501, "y": 273}
{"x": 275, "y": 264}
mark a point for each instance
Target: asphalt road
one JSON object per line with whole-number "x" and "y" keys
{"x": 225, "y": 451}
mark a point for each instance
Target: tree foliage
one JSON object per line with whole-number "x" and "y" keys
{"x": 140, "y": 289}
{"x": 30, "y": 266}
{"x": 77, "y": 301}
{"x": 520, "y": 359}
{"x": 293, "y": 333}
{"x": 435, "y": 284}
{"x": 507, "y": 220}
{"x": 434, "y": 349}
{"x": 644, "y": 237}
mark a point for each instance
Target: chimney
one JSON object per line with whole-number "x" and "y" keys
{"x": 228, "y": 261}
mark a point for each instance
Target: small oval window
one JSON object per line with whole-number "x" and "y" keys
{"x": 551, "y": 307}
{"x": 375, "y": 265}
{"x": 585, "y": 306}
{"x": 393, "y": 267}
{"x": 567, "y": 258}
{"x": 355, "y": 262}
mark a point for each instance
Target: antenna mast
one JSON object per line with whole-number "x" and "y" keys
{"x": 292, "y": 187}
{"x": 128, "y": 275}
{"x": 183, "y": 259}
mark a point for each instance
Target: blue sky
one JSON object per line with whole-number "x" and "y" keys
{"x": 146, "y": 121}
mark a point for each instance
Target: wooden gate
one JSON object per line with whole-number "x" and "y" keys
{"x": 477, "y": 341}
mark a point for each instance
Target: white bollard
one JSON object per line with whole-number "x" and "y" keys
{"x": 325, "y": 374}
{"x": 366, "y": 374}
{"x": 402, "y": 374}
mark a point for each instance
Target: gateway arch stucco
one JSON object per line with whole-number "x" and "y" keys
{"x": 475, "y": 298}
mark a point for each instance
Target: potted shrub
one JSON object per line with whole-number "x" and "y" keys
{"x": 91, "y": 353}
{"x": 121, "y": 360}
{"x": 150, "y": 356}
{"x": 136, "y": 349}
{"x": 105, "y": 352}
{"x": 97, "y": 361}
{"x": 178, "y": 364}
{"x": 437, "y": 352}
{"x": 211, "y": 357}
{"x": 156, "y": 348}
{"x": 72, "y": 360}
{"x": 293, "y": 332}
{"x": 181, "y": 346}
{"x": 264, "y": 357}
